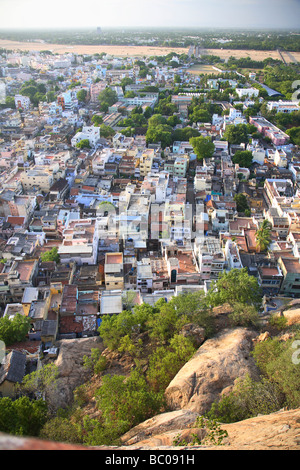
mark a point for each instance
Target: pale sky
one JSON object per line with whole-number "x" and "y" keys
{"x": 241, "y": 14}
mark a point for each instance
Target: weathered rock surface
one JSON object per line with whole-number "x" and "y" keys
{"x": 292, "y": 315}
{"x": 212, "y": 370}
{"x": 277, "y": 431}
{"x": 70, "y": 367}
{"x": 160, "y": 424}
{"x": 193, "y": 332}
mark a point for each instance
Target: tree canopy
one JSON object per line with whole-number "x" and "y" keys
{"x": 236, "y": 134}
{"x": 263, "y": 235}
{"x": 51, "y": 255}
{"x": 235, "y": 286}
{"x": 15, "y": 329}
{"x": 203, "y": 147}
{"x": 243, "y": 158}
{"x": 107, "y": 98}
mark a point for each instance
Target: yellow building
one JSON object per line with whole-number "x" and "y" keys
{"x": 146, "y": 161}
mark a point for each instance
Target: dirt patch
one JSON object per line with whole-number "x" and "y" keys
{"x": 123, "y": 51}
{"x": 138, "y": 51}
{"x": 254, "y": 55}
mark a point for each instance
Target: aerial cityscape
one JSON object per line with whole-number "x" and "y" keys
{"x": 150, "y": 227}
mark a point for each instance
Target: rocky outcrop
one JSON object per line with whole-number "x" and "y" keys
{"x": 160, "y": 425}
{"x": 277, "y": 431}
{"x": 293, "y": 316}
{"x": 70, "y": 367}
{"x": 212, "y": 371}
{"x": 194, "y": 332}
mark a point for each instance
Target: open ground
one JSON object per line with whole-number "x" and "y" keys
{"x": 254, "y": 55}
{"x": 140, "y": 51}
{"x": 122, "y": 51}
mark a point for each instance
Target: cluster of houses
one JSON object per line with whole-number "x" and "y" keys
{"x": 130, "y": 223}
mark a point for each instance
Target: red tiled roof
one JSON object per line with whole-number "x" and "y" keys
{"x": 68, "y": 324}
{"x": 15, "y": 220}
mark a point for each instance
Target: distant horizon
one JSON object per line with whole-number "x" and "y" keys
{"x": 154, "y": 14}
{"x": 153, "y": 28}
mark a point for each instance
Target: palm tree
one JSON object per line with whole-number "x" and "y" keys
{"x": 263, "y": 236}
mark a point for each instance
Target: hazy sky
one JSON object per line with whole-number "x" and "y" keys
{"x": 134, "y": 13}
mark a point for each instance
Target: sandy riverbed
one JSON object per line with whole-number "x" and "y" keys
{"x": 85, "y": 49}
{"x": 138, "y": 51}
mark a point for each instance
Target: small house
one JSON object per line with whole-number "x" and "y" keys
{"x": 12, "y": 372}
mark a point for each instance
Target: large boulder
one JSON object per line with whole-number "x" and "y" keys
{"x": 161, "y": 424}
{"x": 213, "y": 371}
{"x": 72, "y": 372}
{"x": 293, "y": 316}
{"x": 277, "y": 431}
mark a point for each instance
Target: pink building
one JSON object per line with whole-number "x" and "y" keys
{"x": 95, "y": 89}
{"x": 268, "y": 129}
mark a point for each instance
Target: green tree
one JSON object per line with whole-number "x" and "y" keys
{"x": 15, "y": 329}
{"x": 244, "y": 315}
{"x": 200, "y": 115}
{"x": 23, "y": 417}
{"x": 241, "y": 202}
{"x": 166, "y": 361}
{"x": 82, "y": 95}
{"x": 95, "y": 362}
{"x": 83, "y": 144}
{"x": 165, "y": 323}
{"x": 275, "y": 358}
{"x": 50, "y": 96}
{"x": 161, "y": 133}
{"x": 97, "y": 120}
{"x": 156, "y": 120}
{"x": 106, "y": 131}
{"x": 193, "y": 307}
{"x": 60, "y": 429}
{"x": 165, "y": 107}
{"x": 263, "y": 235}
{"x": 184, "y": 134}
{"x": 42, "y": 382}
{"x": 126, "y": 402}
{"x": 294, "y": 134}
{"x": 107, "y": 98}
{"x": 243, "y": 158}
{"x": 235, "y": 286}
{"x": 203, "y": 147}
{"x": 126, "y": 81}
{"x": 10, "y": 102}
{"x": 113, "y": 328}
{"x": 51, "y": 255}
{"x": 236, "y": 134}
{"x": 248, "y": 399}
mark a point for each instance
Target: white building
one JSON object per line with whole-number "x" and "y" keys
{"x": 283, "y": 106}
{"x": 90, "y": 133}
{"x": 232, "y": 255}
{"x": 280, "y": 158}
{"x": 247, "y": 92}
{"x": 22, "y": 102}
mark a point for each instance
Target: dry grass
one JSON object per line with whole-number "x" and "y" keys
{"x": 123, "y": 51}
{"x": 139, "y": 51}
{"x": 206, "y": 69}
{"x": 254, "y": 55}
